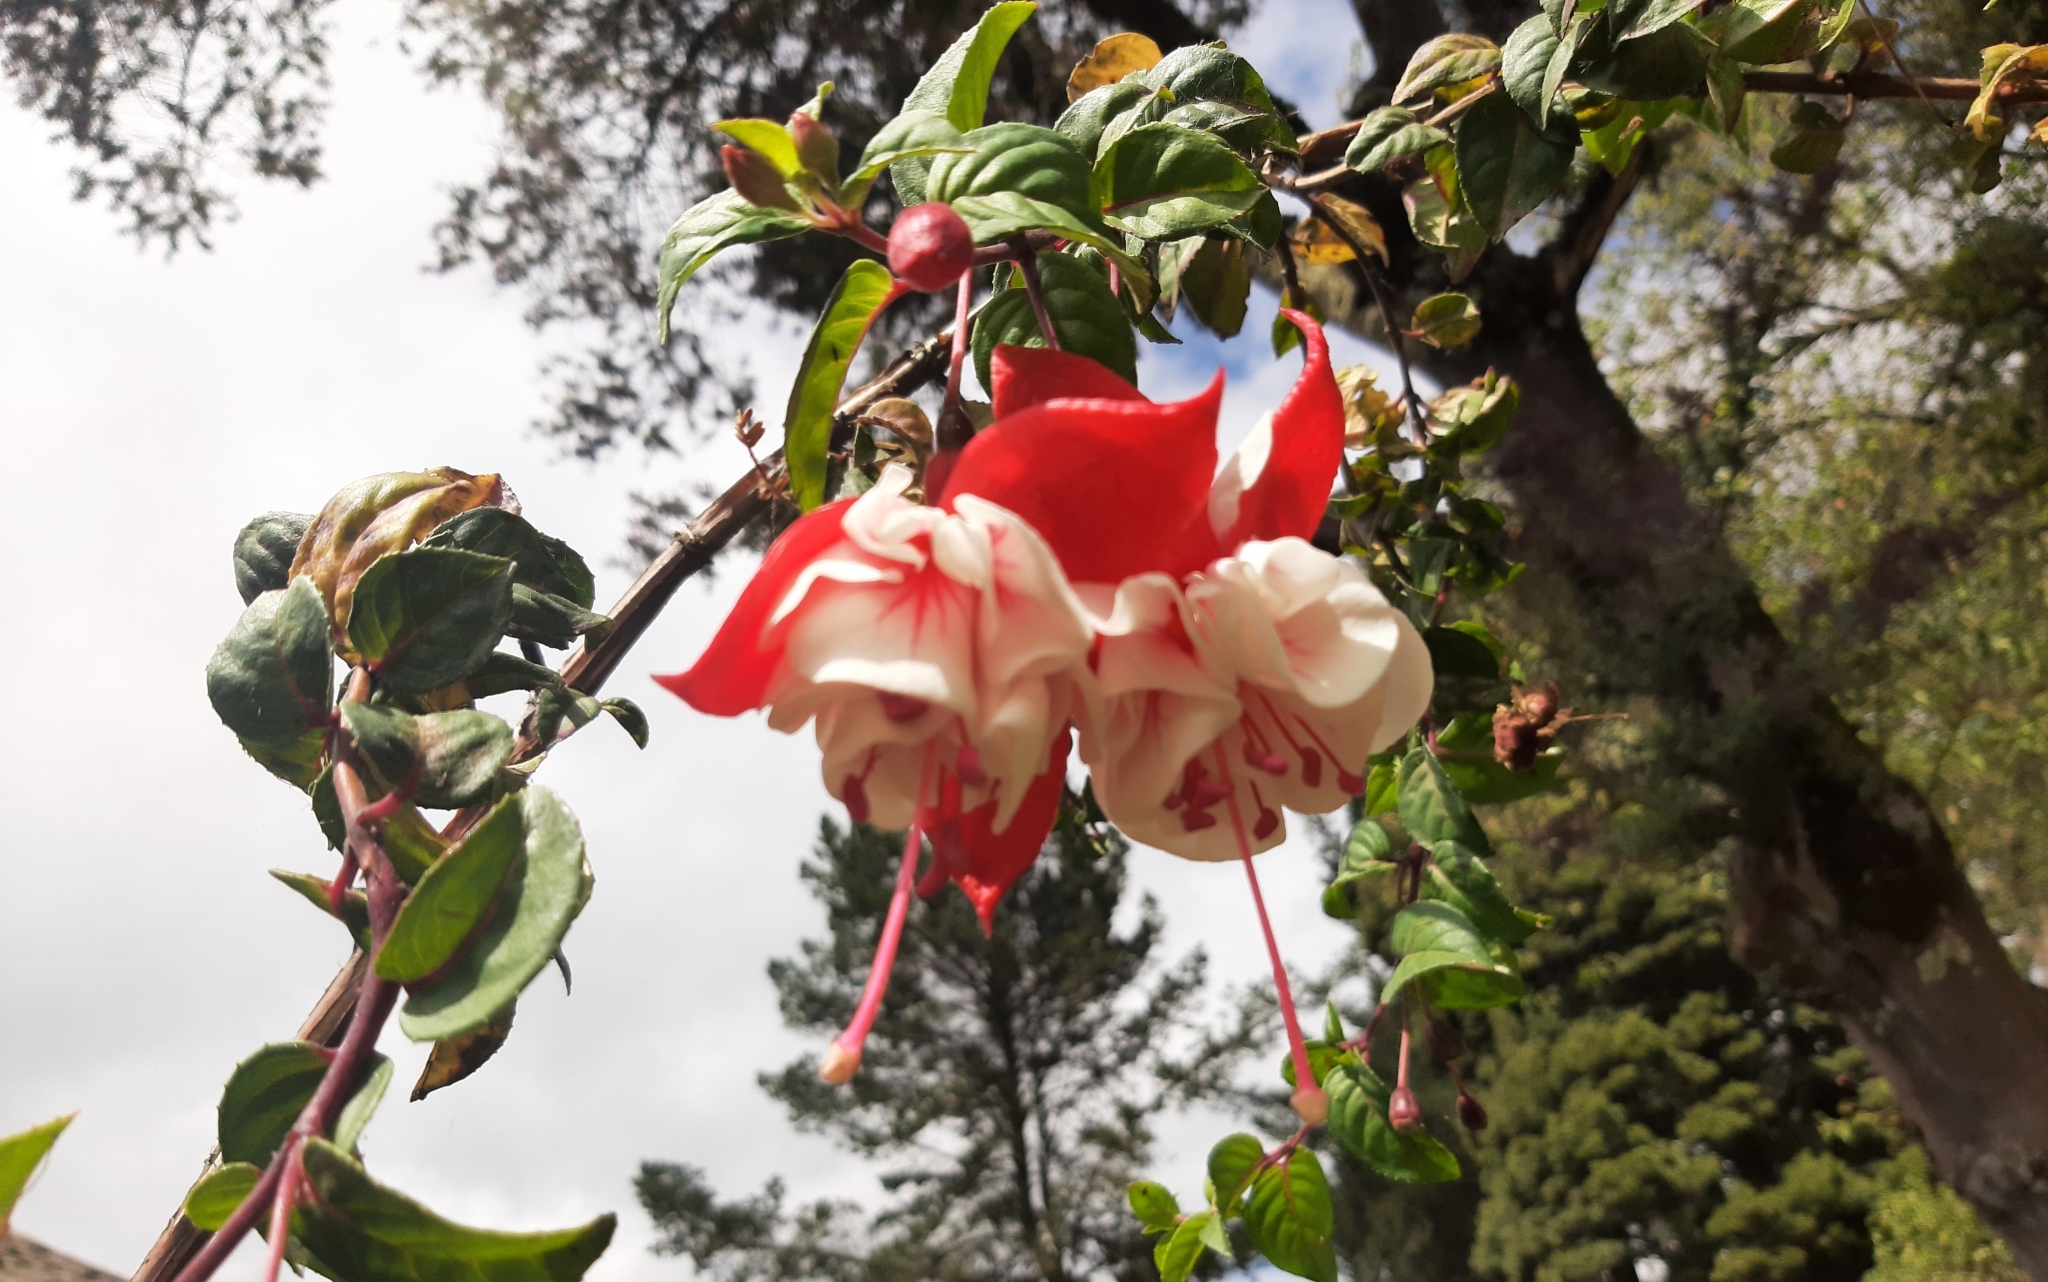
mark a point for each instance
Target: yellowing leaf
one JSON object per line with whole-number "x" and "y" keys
{"x": 388, "y": 512}
{"x": 1366, "y": 407}
{"x": 1113, "y": 59}
{"x": 2000, "y": 62}
{"x": 1446, "y": 320}
{"x": 1317, "y": 245}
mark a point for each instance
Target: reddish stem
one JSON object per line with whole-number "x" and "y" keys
{"x": 281, "y": 1210}
{"x": 1027, "y": 264}
{"x": 842, "y": 1057}
{"x": 1308, "y": 1094}
{"x": 954, "y": 429}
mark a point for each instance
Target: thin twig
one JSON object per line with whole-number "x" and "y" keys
{"x": 954, "y": 429}
{"x": 1384, "y": 301}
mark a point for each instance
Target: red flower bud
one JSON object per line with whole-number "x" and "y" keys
{"x": 815, "y": 146}
{"x": 930, "y": 247}
{"x": 1404, "y": 1111}
{"x": 1471, "y": 1112}
{"x": 756, "y": 178}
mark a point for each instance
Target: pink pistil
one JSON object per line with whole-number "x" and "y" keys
{"x": 1309, "y": 1101}
{"x": 842, "y": 1057}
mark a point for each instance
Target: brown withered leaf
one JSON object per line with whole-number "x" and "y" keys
{"x": 1366, "y": 407}
{"x": 1112, "y": 60}
{"x": 388, "y": 512}
{"x": 458, "y": 1057}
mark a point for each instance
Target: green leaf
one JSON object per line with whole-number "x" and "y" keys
{"x": 1663, "y": 64}
{"x": 1456, "y": 653}
{"x": 454, "y": 897}
{"x": 264, "y": 550}
{"x": 355, "y": 1115}
{"x": 1358, "y": 1121}
{"x": 1446, "y": 61}
{"x": 1386, "y": 135}
{"x": 359, "y": 1229}
{"x": 957, "y": 88}
{"x": 1204, "y": 73}
{"x": 1154, "y": 1204}
{"x": 1024, "y": 159}
{"x": 428, "y": 617}
{"x": 1085, "y": 120}
{"x": 1160, "y": 181}
{"x": 910, "y": 136}
{"x": 1289, "y": 1217}
{"x": 769, "y": 137}
{"x": 1446, "y": 320}
{"x": 413, "y": 844}
{"x": 1477, "y": 417}
{"x": 1383, "y": 786}
{"x": 1506, "y": 167}
{"x": 1177, "y": 1253}
{"x": 1816, "y": 142}
{"x": 1444, "y": 955}
{"x": 355, "y": 907}
{"x": 501, "y": 672}
{"x": 1217, "y": 283}
{"x": 267, "y": 1092}
{"x": 859, "y": 296}
{"x": 219, "y": 1192}
{"x": 545, "y": 885}
{"x": 713, "y": 224}
{"x": 1460, "y": 878}
{"x": 542, "y": 563}
{"x": 1525, "y": 68}
{"x": 1431, "y": 808}
{"x": 20, "y": 1155}
{"x": 270, "y": 681}
{"x": 1231, "y": 1164}
{"x": 550, "y": 620}
{"x": 1368, "y": 855}
{"x": 457, "y": 755}
{"x": 1006, "y": 214}
{"x": 630, "y": 718}
{"x": 1088, "y": 318}
{"x": 1761, "y": 32}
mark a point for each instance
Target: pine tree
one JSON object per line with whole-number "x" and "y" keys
{"x": 1649, "y": 1098}
{"x": 1011, "y": 1076}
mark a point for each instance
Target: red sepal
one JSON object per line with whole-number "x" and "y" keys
{"x": 985, "y": 864}
{"x": 733, "y": 674}
{"x": 1116, "y": 488}
{"x": 1022, "y": 377}
{"x": 1293, "y": 488}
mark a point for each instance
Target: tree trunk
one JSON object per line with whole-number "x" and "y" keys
{"x": 1843, "y": 882}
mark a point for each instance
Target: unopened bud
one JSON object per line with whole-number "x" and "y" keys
{"x": 755, "y": 178}
{"x": 930, "y": 247}
{"x": 1311, "y": 1104}
{"x": 1471, "y": 1112}
{"x": 840, "y": 1065}
{"x": 815, "y": 146}
{"x": 1446, "y": 1043}
{"x": 1404, "y": 1111}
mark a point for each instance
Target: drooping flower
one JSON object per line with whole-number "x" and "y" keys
{"x": 1236, "y": 663}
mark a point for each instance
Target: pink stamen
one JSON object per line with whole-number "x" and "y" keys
{"x": 1267, "y": 821}
{"x": 842, "y": 1057}
{"x": 1258, "y": 753}
{"x": 1349, "y": 782}
{"x": 1309, "y": 1101}
{"x": 1311, "y": 764}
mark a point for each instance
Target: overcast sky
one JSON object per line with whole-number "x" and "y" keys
{"x": 148, "y": 408}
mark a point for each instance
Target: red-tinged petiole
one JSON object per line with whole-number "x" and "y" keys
{"x": 281, "y": 1208}
{"x": 842, "y": 1056}
{"x": 1309, "y": 1101}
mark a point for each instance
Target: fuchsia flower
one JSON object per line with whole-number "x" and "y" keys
{"x": 1085, "y": 564}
